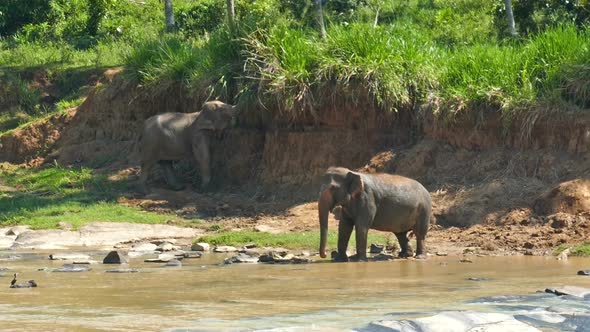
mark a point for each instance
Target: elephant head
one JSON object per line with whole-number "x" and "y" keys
{"x": 216, "y": 116}
{"x": 339, "y": 187}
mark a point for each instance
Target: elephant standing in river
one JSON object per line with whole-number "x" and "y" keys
{"x": 168, "y": 137}
{"x": 384, "y": 202}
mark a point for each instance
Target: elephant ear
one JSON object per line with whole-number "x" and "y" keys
{"x": 355, "y": 184}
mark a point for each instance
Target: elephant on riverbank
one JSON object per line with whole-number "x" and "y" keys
{"x": 384, "y": 202}
{"x": 169, "y": 137}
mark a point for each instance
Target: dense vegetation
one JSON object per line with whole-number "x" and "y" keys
{"x": 454, "y": 54}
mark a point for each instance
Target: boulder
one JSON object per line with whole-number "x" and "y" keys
{"x": 115, "y": 257}
{"x": 201, "y": 246}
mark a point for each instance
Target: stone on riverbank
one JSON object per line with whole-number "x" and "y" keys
{"x": 115, "y": 257}
{"x": 584, "y": 273}
{"x": 241, "y": 258}
{"x": 201, "y": 246}
{"x": 225, "y": 249}
{"x": 100, "y": 234}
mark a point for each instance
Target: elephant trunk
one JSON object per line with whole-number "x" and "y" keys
{"x": 325, "y": 205}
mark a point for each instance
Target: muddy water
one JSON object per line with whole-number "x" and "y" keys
{"x": 202, "y": 295}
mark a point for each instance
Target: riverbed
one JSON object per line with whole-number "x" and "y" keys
{"x": 205, "y": 295}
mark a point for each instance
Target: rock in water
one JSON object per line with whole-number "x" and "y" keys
{"x": 225, "y": 249}
{"x": 122, "y": 271}
{"x": 73, "y": 268}
{"x": 569, "y": 290}
{"x": 456, "y": 321}
{"x": 163, "y": 258}
{"x": 166, "y": 246}
{"x": 241, "y": 258}
{"x": 584, "y": 273}
{"x": 115, "y": 257}
{"x": 201, "y": 246}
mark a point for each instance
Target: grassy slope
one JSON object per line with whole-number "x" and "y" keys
{"x": 77, "y": 196}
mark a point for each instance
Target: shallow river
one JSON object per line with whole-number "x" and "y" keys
{"x": 205, "y": 296}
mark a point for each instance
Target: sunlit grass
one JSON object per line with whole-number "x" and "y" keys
{"x": 287, "y": 240}
{"x": 74, "y": 195}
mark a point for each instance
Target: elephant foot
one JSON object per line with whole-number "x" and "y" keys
{"x": 357, "y": 258}
{"x": 421, "y": 256}
{"x": 405, "y": 254}
{"x": 336, "y": 257}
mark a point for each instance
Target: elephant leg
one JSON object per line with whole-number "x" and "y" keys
{"x": 201, "y": 155}
{"x": 345, "y": 227}
{"x": 166, "y": 165}
{"x": 421, "y": 229}
{"x": 361, "y": 234}
{"x": 404, "y": 244}
{"x": 146, "y": 168}
{"x": 420, "y": 252}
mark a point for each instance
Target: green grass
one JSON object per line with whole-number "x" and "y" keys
{"x": 285, "y": 240}
{"x": 582, "y": 250}
{"x": 77, "y": 195}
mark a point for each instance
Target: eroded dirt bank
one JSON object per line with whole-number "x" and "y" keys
{"x": 507, "y": 184}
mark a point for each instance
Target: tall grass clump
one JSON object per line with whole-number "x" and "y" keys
{"x": 283, "y": 62}
{"x": 395, "y": 65}
{"x": 517, "y": 76}
{"x": 165, "y": 61}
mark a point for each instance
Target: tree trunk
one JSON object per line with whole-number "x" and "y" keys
{"x": 169, "y": 11}
{"x": 231, "y": 13}
{"x": 320, "y": 18}
{"x": 510, "y": 17}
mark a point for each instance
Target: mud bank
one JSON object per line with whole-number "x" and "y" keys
{"x": 477, "y": 171}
